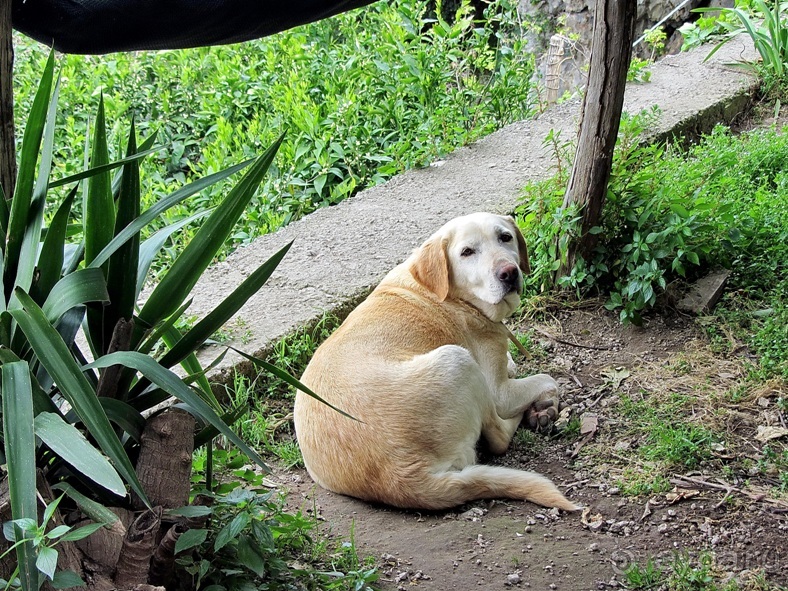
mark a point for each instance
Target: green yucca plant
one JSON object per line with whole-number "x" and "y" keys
{"x": 766, "y": 25}
{"x": 60, "y": 413}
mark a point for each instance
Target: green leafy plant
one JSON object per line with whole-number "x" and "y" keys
{"x": 244, "y": 541}
{"x": 643, "y": 577}
{"x": 638, "y": 67}
{"x": 56, "y": 405}
{"x": 699, "y": 32}
{"x": 43, "y": 541}
{"x": 765, "y": 23}
{"x": 638, "y": 70}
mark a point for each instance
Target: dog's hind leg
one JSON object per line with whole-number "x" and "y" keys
{"x": 498, "y": 432}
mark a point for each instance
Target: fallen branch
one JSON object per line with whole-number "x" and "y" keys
{"x": 569, "y": 343}
{"x": 777, "y": 505}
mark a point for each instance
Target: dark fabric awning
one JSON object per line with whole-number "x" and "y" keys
{"x": 106, "y": 26}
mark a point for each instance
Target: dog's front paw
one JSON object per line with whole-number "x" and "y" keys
{"x": 543, "y": 413}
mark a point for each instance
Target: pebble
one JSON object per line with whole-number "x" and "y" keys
{"x": 662, "y": 528}
{"x": 513, "y": 579}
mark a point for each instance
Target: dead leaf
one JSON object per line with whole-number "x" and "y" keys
{"x": 589, "y": 422}
{"x": 681, "y": 494}
{"x": 614, "y": 376}
{"x": 768, "y": 433}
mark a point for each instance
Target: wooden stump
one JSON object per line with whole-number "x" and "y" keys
{"x": 165, "y": 461}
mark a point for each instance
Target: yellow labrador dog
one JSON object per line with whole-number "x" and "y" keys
{"x": 422, "y": 364}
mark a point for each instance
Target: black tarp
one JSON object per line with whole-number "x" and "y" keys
{"x": 106, "y": 26}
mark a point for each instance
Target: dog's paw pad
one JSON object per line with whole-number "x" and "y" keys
{"x": 542, "y": 415}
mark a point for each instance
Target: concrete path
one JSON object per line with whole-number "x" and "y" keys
{"x": 342, "y": 252}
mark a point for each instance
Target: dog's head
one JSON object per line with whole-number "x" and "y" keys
{"x": 478, "y": 258}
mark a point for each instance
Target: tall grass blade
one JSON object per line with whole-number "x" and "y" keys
{"x": 172, "y": 384}
{"x": 198, "y": 254}
{"x": 20, "y": 446}
{"x": 153, "y": 245}
{"x": 155, "y": 335}
{"x": 50, "y": 260}
{"x": 79, "y": 287}
{"x": 290, "y": 380}
{"x": 28, "y": 157}
{"x": 192, "y": 366}
{"x": 28, "y": 254}
{"x": 98, "y": 212}
{"x": 124, "y": 416}
{"x": 195, "y": 337}
{"x": 161, "y": 206}
{"x": 99, "y": 207}
{"x": 124, "y": 263}
{"x": 104, "y": 168}
{"x": 73, "y": 385}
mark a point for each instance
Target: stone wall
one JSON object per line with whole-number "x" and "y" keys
{"x": 574, "y": 21}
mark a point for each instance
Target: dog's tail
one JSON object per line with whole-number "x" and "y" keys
{"x": 451, "y": 488}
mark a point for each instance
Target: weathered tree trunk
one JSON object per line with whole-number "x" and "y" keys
{"x": 7, "y": 142}
{"x": 611, "y": 49}
{"x": 137, "y": 550}
{"x": 103, "y": 547}
{"x": 162, "y": 564}
{"x": 165, "y": 461}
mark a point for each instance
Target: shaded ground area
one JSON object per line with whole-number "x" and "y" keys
{"x": 680, "y": 482}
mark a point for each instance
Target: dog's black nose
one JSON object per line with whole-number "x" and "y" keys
{"x": 508, "y": 275}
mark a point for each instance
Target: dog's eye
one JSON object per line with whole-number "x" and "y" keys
{"x": 505, "y": 237}
{"x": 467, "y": 251}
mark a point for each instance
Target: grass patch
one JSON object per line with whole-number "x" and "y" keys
{"x": 685, "y": 572}
{"x": 641, "y": 481}
{"x": 292, "y": 354}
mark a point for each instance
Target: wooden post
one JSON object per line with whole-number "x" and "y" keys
{"x": 611, "y": 50}
{"x": 7, "y": 142}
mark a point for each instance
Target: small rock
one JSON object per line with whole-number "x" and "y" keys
{"x": 662, "y": 528}
{"x": 513, "y": 579}
{"x": 594, "y": 547}
{"x": 474, "y": 514}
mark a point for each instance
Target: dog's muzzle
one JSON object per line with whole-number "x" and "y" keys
{"x": 509, "y": 276}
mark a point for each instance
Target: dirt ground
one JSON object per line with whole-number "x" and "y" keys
{"x": 735, "y": 520}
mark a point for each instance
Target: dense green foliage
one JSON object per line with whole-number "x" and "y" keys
{"x": 361, "y": 96}
{"x": 672, "y": 214}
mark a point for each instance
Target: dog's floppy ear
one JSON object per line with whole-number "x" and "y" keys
{"x": 525, "y": 265}
{"x": 431, "y": 267}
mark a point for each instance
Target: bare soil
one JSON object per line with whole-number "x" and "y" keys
{"x": 729, "y": 512}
